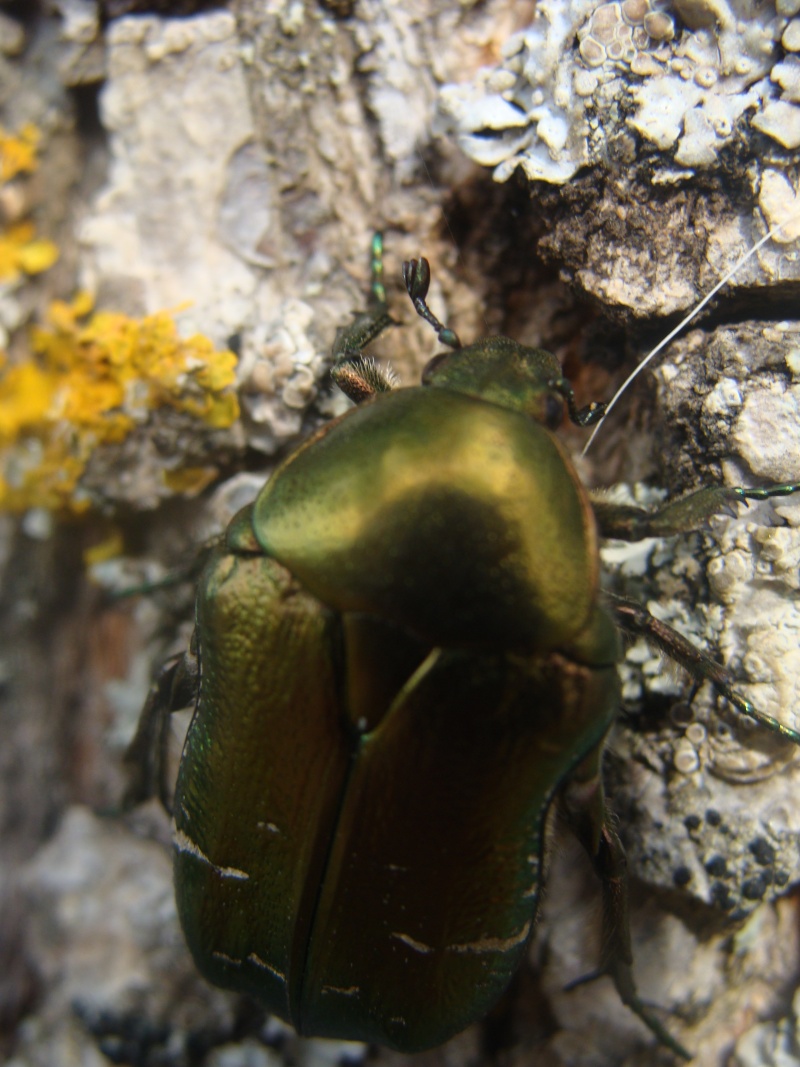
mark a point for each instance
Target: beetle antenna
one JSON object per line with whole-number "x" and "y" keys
{"x": 685, "y": 322}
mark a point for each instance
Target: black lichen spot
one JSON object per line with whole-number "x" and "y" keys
{"x": 681, "y": 876}
{"x": 717, "y": 866}
{"x": 340, "y": 9}
{"x": 713, "y": 817}
{"x": 721, "y": 896}
{"x": 692, "y": 822}
{"x": 755, "y": 888}
{"x": 763, "y": 852}
{"x": 112, "y": 9}
{"x": 781, "y": 877}
{"x": 125, "y": 1038}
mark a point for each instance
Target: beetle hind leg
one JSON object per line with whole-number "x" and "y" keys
{"x": 584, "y": 805}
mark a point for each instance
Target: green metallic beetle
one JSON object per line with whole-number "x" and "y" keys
{"x": 401, "y": 659}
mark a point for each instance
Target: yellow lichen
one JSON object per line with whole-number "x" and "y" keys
{"x": 191, "y": 480}
{"x": 111, "y": 547}
{"x": 90, "y": 381}
{"x": 21, "y": 251}
{"x": 18, "y": 151}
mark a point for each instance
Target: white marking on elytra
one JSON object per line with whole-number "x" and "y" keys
{"x": 494, "y": 944}
{"x": 258, "y": 962}
{"x": 270, "y": 827}
{"x": 183, "y": 843}
{"x": 348, "y": 991}
{"x": 252, "y": 958}
{"x": 225, "y": 958}
{"x": 418, "y": 946}
{"x": 482, "y": 945}
{"x": 685, "y": 322}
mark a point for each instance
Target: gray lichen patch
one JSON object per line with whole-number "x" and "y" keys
{"x": 710, "y": 826}
{"x": 688, "y": 78}
{"x": 660, "y": 139}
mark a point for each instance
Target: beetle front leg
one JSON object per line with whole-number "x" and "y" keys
{"x": 357, "y": 375}
{"x": 583, "y": 803}
{"x": 417, "y": 276}
{"x": 689, "y": 512}
{"x": 175, "y": 687}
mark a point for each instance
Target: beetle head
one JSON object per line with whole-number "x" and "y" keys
{"x": 506, "y": 373}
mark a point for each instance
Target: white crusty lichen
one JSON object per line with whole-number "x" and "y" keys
{"x": 686, "y": 76}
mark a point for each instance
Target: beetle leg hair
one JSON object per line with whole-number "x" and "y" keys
{"x": 357, "y": 375}
{"x": 637, "y": 620}
{"x": 689, "y": 512}
{"x": 175, "y": 687}
{"x": 583, "y": 803}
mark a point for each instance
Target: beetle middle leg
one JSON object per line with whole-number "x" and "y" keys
{"x": 687, "y": 513}
{"x": 583, "y": 802}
